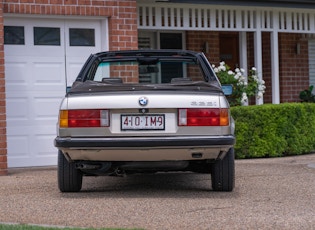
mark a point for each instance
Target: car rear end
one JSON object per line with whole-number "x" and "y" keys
{"x": 109, "y": 126}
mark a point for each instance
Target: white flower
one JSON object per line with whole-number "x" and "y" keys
{"x": 222, "y": 68}
{"x": 236, "y": 76}
{"x": 237, "y": 70}
{"x": 244, "y": 98}
{"x": 216, "y": 70}
{"x": 254, "y": 69}
{"x": 230, "y": 72}
{"x": 261, "y": 87}
{"x": 213, "y": 66}
{"x": 242, "y": 78}
{"x": 242, "y": 83}
{"x": 222, "y": 63}
{"x": 259, "y": 95}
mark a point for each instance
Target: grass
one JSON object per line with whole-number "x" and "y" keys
{"x": 33, "y": 227}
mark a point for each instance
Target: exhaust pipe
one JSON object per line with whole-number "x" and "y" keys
{"x": 119, "y": 172}
{"x": 96, "y": 166}
{"x": 83, "y": 166}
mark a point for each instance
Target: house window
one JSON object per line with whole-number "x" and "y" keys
{"x": 14, "y": 35}
{"x": 82, "y": 37}
{"x": 47, "y": 36}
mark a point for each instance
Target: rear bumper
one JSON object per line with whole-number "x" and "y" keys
{"x": 144, "y": 142}
{"x": 145, "y": 148}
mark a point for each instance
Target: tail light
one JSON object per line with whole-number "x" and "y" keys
{"x": 203, "y": 117}
{"x": 83, "y": 118}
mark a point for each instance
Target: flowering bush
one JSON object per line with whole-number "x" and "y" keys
{"x": 242, "y": 89}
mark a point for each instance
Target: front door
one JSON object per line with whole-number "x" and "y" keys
{"x": 229, "y": 49}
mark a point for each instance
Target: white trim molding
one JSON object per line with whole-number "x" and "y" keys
{"x": 170, "y": 16}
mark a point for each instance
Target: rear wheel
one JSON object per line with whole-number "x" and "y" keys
{"x": 69, "y": 178}
{"x": 223, "y": 173}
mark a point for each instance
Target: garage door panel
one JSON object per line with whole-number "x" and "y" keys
{"x": 19, "y": 145}
{"x": 37, "y": 73}
{"x": 32, "y": 130}
{"x": 34, "y": 146}
{"x": 47, "y": 108}
{"x": 44, "y": 146}
{"x": 17, "y": 108}
{"x": 28, "y": 109}
{"x": 31, "y": 161}
{"x": 74, "y": 66}
{"x": 48, "y": 73}
{"x": 15, "y": 71}
{"x": 42, "y": 74}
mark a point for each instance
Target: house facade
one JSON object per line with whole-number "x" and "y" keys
{"x": 43, "y": 44}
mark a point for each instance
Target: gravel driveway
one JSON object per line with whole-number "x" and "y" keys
{"x": 270, "y": 194}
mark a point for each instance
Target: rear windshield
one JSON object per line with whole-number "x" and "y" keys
{"x": 148, "y": 72}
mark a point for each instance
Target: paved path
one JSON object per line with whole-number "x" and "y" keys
{"x": 270, "y": 194}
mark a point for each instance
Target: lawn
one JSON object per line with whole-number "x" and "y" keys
{"x": 32, "y": 227}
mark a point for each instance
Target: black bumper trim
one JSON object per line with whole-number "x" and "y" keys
{"x": 145, "y": 142}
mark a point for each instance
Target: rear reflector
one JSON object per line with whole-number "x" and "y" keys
{"x": 203, "y": 117}
{"x": 83, "y": 118}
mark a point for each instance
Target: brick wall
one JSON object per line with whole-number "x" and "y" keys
{"x": 294, "y": 69}
{"x": 122, "y": 15}
{"x": 3, "y": 142}
{"x": 195, "y": 40}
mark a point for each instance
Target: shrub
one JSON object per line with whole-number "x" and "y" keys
{"x": 307, "y": 95}
{"x": 274, "y": 130}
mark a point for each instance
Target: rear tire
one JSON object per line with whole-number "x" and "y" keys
{"x": 69, "y": 178}
{"x": 223, "y": 173}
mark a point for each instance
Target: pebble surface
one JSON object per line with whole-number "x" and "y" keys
{"x": 276, "y": 193}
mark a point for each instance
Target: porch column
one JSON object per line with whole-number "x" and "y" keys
{"x": 258, "y": 54}
{"x": 243, "y": 52}
{"x": 275, "y": 68}
{"x": 275, "y": 61}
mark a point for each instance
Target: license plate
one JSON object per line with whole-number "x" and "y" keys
{"x": 143, "y": 122}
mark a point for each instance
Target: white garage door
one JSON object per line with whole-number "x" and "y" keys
{"x": 41, "y": 57}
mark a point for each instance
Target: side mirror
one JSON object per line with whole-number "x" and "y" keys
{"x": 227, "y": 89}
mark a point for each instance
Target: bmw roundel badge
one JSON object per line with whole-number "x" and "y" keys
{"x": 143, "y": 101}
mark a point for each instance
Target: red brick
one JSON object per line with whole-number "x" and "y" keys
{"x": 3, "y": 172}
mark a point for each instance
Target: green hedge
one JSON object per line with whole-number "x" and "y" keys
{"x": 274, "y": 130}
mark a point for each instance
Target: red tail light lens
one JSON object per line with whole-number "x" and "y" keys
{"x": 203, "y": 117}
{"x": 84, "y": 118}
